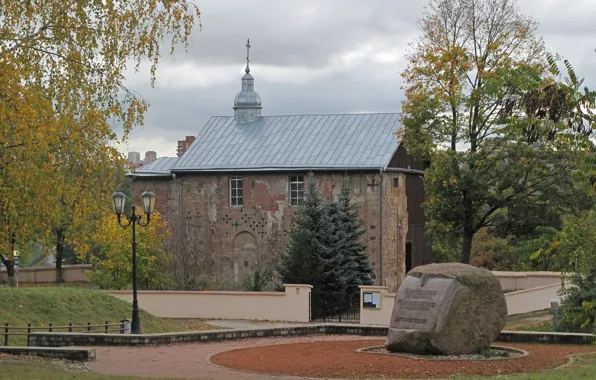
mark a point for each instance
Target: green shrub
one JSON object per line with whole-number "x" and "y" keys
{"x": 258, "y": 279}
{"x": 577, "y": 312}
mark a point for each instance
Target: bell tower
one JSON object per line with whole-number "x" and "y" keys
{"x": 247, "y": 104}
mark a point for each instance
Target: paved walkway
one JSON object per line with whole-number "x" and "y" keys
{"x": 188, "y": 360}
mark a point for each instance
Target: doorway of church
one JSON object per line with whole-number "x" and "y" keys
{"x": 409, "y": 258}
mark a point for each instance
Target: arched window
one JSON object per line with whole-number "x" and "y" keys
{"x": 236, "y": 191}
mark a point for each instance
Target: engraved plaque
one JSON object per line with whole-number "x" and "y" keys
{"x": 448, "y": 309}
{"x": 420, "y": 304}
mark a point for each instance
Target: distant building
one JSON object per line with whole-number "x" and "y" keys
{"x": 150, "y": 156}
{"x": 134, "y": 158}
{"x": 183, "y": 145}
{"x": 130, "y": 166}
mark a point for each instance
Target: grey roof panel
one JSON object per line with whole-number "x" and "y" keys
{"x": 340, "y": 141}
{"x": 159, "y": 167}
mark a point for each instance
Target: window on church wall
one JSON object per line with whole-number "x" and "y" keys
{"x": 296, "y": 189}
{"x": 236, "y": 191}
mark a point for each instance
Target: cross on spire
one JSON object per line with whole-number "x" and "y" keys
{"x": 247, "y": 70}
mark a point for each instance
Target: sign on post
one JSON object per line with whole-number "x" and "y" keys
{"x": 371, "y": 300}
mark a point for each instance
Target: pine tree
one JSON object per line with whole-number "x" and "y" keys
{"x": 353, "y": 231}
{"x": 301, "y": 262}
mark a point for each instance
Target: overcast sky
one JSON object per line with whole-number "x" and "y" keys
{"x": 313, "y": 56}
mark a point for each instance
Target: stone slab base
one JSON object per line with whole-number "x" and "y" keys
{"x": 52, "y": 352}
{"x": 547, "y": 338}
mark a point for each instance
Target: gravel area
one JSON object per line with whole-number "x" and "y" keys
{"x": 494, "y": 353}
{"x": 68, "y": 364}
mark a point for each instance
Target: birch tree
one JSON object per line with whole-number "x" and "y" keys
{"x": 63, "y": 64}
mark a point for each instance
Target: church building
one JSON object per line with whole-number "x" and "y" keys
{"x": 231, "y": 196}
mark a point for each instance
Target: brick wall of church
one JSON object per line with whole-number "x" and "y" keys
{"x": 395, "y": 229}
{"x": 232, "y": 239}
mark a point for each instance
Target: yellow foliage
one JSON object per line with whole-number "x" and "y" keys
{"x": 62, "y": 65}
{"x": 112, "y": 264}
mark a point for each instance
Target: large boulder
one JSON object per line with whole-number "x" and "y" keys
{"x": 448, "y": 309}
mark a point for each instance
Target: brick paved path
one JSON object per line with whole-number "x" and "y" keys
{"x": 188, "y": 360}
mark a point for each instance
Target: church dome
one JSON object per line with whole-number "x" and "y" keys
{"x": 247, "y": 97}
{"x": 247, "y": 104}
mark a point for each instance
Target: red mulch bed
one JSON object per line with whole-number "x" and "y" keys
{"x": 338, "y": 359}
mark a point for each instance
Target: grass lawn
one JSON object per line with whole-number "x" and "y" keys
{"x": 35, "y": 369}
{"x": 545, "y": 326}
{"x": 535, "y": 321}
{"x": 63, "y": 304}
{"x": 32, "y": 369}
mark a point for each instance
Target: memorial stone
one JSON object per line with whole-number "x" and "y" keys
{"x": 449, "y": 309}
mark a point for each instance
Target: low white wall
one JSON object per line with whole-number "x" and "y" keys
{"x": 519, "y": 302}
{"x": 293, "y": 305}
{"x": 527, "y": 280}
{"x": 534, "y": 299}
{"x": 70, "y": 273}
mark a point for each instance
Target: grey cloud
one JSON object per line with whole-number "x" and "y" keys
{"x": 305, "y": 33}
{"x": 568, "y": 18}
{"x": 178, "y": 112}
{"x": 309, "y": 33}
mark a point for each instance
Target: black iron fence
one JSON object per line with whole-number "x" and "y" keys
{"x": 122, "y": 327}
{"x": 334, "y": 308}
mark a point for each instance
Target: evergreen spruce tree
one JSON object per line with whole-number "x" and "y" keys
{"x": 339, "y": 272}
{"x": 324, "y": 250}
{"x": 355, "y": 249}
{"x": 300, "y": 264}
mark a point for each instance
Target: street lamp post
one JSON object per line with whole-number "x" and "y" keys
{"x": 554, "y": 304}
{"x": 118, "y": 200}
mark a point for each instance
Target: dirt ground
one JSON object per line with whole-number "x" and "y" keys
{"x": 340, "y": 360}
{"x": 190, "y": 324}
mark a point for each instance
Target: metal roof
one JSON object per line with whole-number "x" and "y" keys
{"x": 158, "y": 168}
{"x": 301, "y": 142}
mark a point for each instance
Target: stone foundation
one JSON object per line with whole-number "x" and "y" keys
{"x": 75, "y": 339}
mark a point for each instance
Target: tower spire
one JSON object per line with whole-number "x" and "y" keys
{"x": 247, "y": 70}
{"x": 247, "y": 104}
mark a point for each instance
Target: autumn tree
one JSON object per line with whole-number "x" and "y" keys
{"x": 86, "y": 181}
{"x": 112, "y": 261}
{"x": 26, "y": 174}
{"x": 505, "y": 138}
{"x": 62, "y": 66}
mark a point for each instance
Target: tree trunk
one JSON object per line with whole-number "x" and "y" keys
{"x": 9, "y": 264}
{"x": 466, "y": 247}
{"x": 59, "y": 256}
